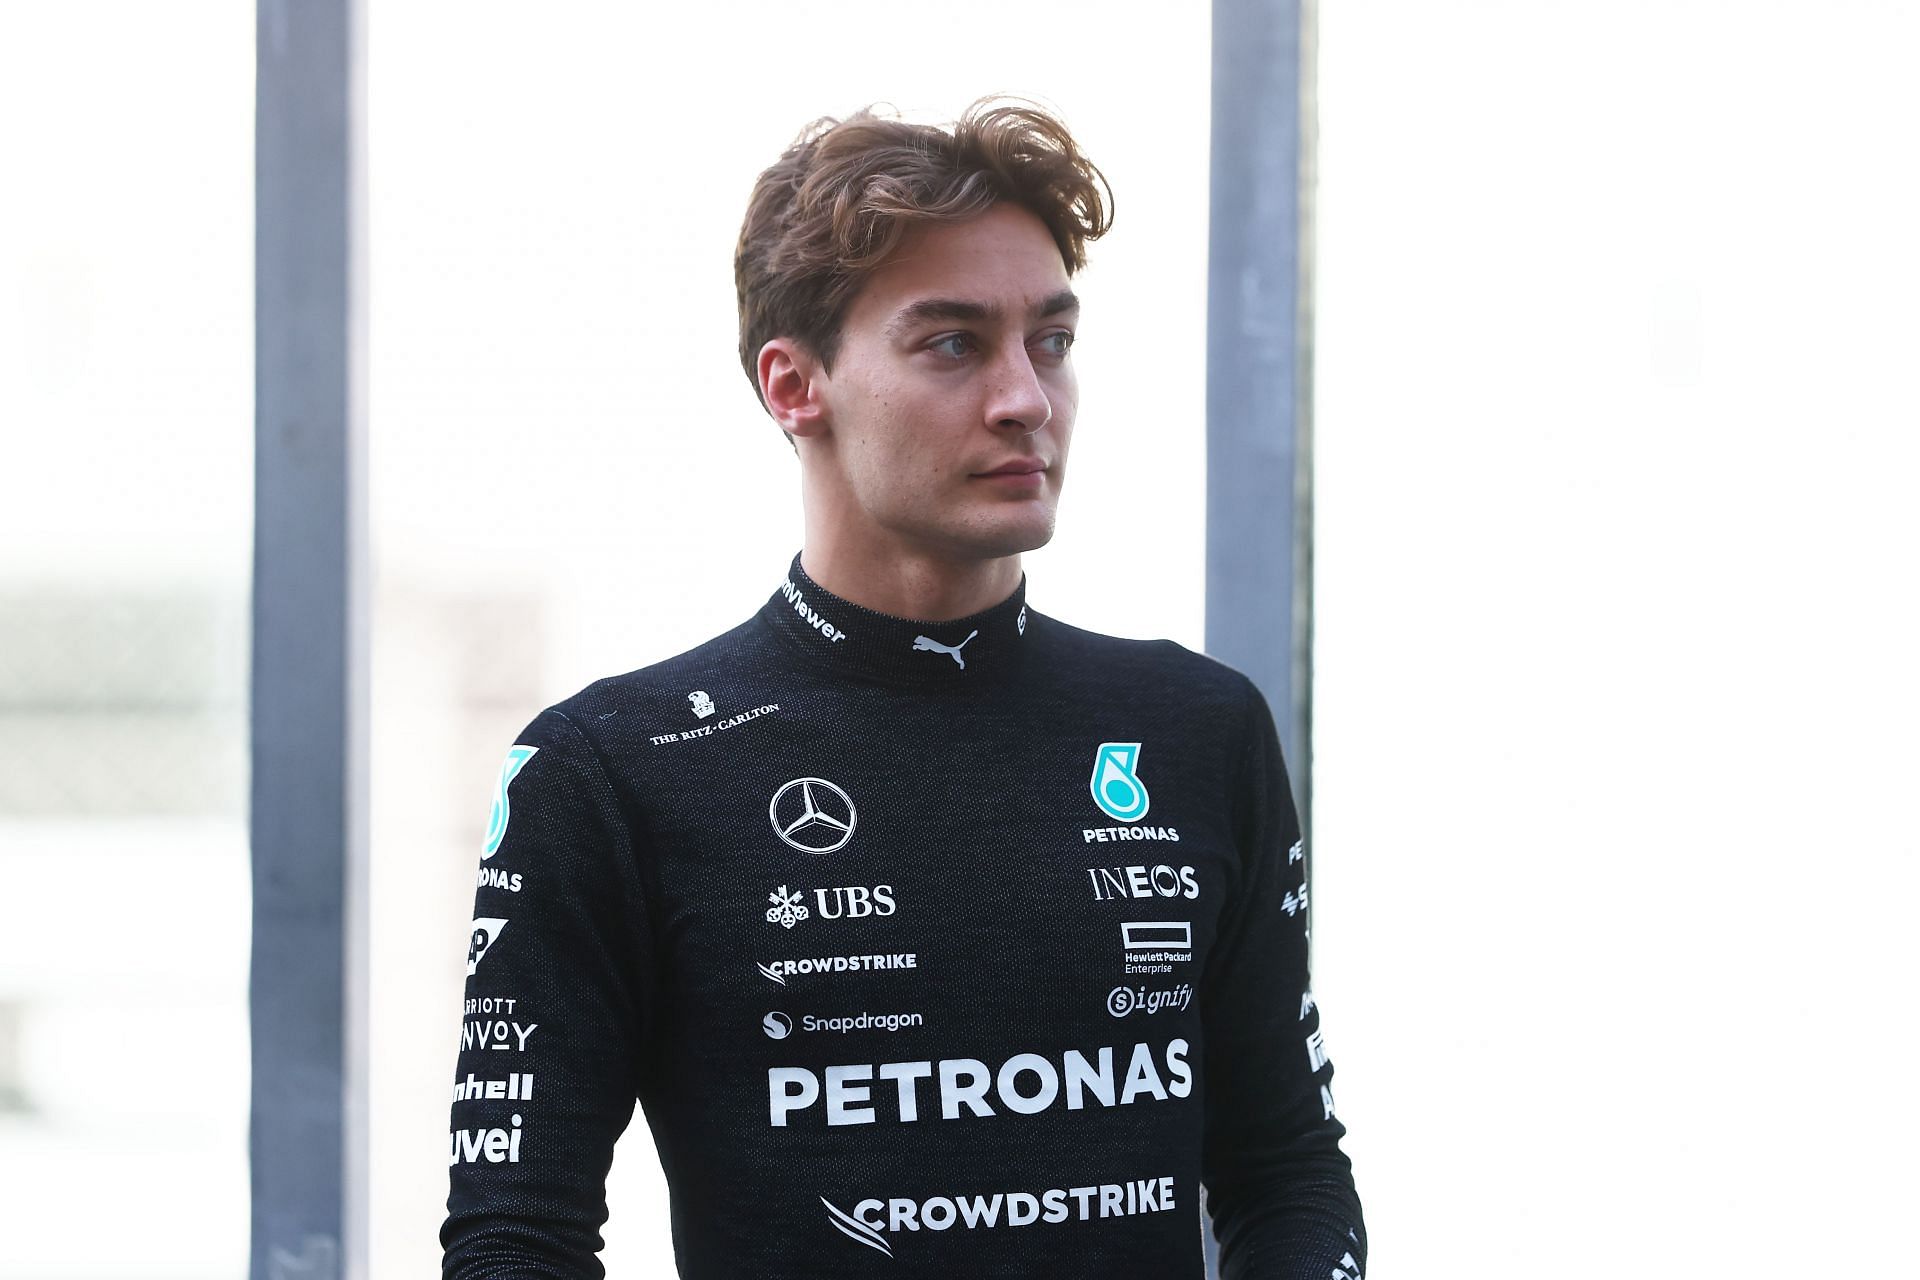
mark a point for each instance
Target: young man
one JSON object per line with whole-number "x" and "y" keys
{"x": 935, "y": 936}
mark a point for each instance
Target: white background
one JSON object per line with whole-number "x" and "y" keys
{"x": 1614, "y": 758}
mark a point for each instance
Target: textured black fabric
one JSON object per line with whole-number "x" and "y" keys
{"x": 954, "y": 949}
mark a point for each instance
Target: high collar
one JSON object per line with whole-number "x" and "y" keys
{"x": 842, "y": 634}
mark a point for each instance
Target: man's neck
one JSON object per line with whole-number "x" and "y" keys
{"x": 908, "y": 584}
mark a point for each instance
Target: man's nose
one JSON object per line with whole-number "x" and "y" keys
{"x": 1019, "y": 402}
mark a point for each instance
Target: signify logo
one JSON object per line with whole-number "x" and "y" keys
{"x": 1122, "y": 1001}
{"x": 495, "y": 1146}
{"x": 872, "y": 1220}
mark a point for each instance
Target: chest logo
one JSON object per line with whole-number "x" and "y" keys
{"x": 1116, "y": 787}
{"x": 812, "y": 815}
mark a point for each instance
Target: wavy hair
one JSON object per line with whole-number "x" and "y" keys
{"x": 823, "y": 217}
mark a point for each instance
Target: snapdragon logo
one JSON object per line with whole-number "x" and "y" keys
{"x": 874, "y": 1219}
{"x": 779, "y": 1026}
{"x": 1025, "y": 1084}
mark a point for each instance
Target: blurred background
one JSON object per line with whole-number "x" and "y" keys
{"x": 1615, "y": 420}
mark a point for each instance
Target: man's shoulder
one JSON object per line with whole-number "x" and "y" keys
{"x": 1161, "y": 665}
{"x": 718, "y": 669}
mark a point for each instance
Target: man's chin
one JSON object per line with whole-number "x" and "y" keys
{"x": 1011, "y": 537}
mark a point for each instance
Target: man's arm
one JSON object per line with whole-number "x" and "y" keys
{"x": 1278, "y": 1186}
{"x": 557, "y": 1017}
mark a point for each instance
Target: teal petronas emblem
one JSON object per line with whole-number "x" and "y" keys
{"x": 1116, "y": 788}
{"x": 497, "y": 820}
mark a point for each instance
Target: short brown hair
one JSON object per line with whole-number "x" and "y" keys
{"x": 824, "y": 216}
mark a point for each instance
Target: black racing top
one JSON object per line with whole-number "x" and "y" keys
{"x": 958, "y": 949}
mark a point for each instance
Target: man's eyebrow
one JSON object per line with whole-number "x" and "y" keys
{"x": 925, "y": 309}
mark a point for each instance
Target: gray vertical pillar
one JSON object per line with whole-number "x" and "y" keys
{"x": 309, "y": 816}
{"x": 1259, "y": 477}
{"x": 1259, "y": 432}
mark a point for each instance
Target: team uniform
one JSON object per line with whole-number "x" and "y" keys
{"x": 957, "y": 949}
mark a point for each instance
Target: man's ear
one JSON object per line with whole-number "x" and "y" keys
{"x": 791, "y": 384}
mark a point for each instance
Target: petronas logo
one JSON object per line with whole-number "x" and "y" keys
{"x": 497, "y": 820}
{"x": 1116, "y": 788}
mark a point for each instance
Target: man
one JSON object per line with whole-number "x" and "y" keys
{"x": 935, "y": 936}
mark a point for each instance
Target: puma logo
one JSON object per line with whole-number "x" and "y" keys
{"x": 930, "y": 644}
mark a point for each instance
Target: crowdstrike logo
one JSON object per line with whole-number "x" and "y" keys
{"x": 516, "y": 759}
{"x": 872, "y": 1220}
{"x": 813, "y": 815}
{"x": 780, "y": 970}
{"x": 1115, "y": 785}
{"x": 930, "y": 645}
{"x": 854, "y": 1229}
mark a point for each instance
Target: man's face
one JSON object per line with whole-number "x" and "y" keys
{"x": 953, "y": 363}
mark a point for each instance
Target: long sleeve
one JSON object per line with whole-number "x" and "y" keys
{"x": 1280, "y": 1190}
{"x": 557, "y": 1013}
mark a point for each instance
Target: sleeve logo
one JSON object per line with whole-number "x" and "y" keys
{"x": 497, "y": 820}
{"x": 486, "y": 931}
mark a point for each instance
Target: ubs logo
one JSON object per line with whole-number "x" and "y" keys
{"x": 812, "y": 815}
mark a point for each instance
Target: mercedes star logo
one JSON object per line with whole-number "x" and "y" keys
{"x": 812, "y": 815}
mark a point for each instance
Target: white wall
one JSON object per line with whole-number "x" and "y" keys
{"x": 1617, "y": 425}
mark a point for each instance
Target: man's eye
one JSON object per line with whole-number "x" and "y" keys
{"x": 1064, "y": 338}
{"x": 941, "y": 343}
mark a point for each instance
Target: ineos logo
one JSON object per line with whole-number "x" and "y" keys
{"x": 812, "y": 815}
